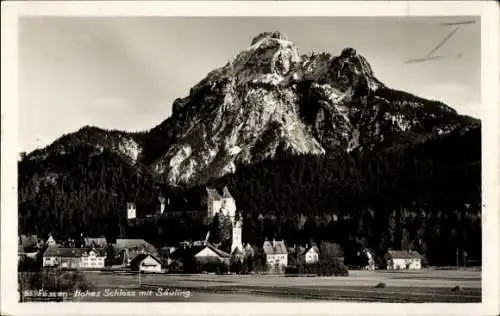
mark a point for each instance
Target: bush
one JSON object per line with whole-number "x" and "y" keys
{"x": 55, "y": 281}
{"x": 380, "y": 285}
{"x": 215, "y": 267}
{"x": 335, "y": 268}
{"x": 236, "y": 267}
{"x": 291, "y": 270}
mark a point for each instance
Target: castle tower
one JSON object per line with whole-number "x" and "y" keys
{"x": 131, "y": 211}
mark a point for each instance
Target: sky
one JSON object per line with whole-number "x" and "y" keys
{"x": 125, "y": 72}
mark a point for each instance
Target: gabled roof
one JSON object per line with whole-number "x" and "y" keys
{"x": 139, "y": 258}
{"x": 278, "y": 248}
{"x": 226, "y": 194}
{"x": 99, "y": 241}
{"x": 314, "y": 248}
{"x": 213, "y": 194}
{"x": 403, "y": 254}
{"x": 218, "y": 252}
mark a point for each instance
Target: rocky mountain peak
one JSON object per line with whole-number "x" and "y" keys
{"x": 272, "y": 35}
{"x": 270, "y": 100}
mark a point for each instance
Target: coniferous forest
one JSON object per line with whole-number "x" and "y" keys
{"x": 424, "y": 196}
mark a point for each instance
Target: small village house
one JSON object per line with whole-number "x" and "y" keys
{"x": 74, "y": 258}
{"x": 311, "y": 254}
{"x": 210, "y": 254}
{"x": 146, "y": 263}
{"x": 403, "y": 260}
{"x": 276, "y": 255}
{"x": 130, "y": 248}
{"x": 93, "y": 258}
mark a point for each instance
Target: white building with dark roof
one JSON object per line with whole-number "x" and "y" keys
{"x": 74, "y": 258}
{"x": 276, "y": 255}
{"x": 403, "y": 260}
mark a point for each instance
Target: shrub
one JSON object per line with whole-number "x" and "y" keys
{"x": 291, "y": 270}
{"x": 56, "y": 281}
{"x": 215, "y": 267}
{"x": 380, "y": 285}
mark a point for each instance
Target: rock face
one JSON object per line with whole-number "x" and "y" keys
{"x": 269, "y": 100}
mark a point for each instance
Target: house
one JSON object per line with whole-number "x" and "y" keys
{"x": 403, "y": 260}
{"x": 276, "y": 255}
{"x": 99, "y": 242}
{"x": 146, "y": 263}
{"x": 130, "y": 248}
{"x": 210, "y": 254}
{"x": 92, "y": 258}
{"x": 166, "y": 254}
{"x": 310, "y": 254}
{"x": 74, "y": 258}
{"x": 51, "y": 242}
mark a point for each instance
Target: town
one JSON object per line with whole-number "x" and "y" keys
{"x": 272, "y": 257}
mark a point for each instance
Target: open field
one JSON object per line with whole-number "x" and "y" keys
{"x": 401, "y": 286}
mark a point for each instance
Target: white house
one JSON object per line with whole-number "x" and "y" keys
{"x": 403, "y": 260}
{"x": 146, "y": 263}
{"x": 93, "y": 259}
{"x": 74, "y": 258}
{"x": 130, "y": 248}
{"x": 276, "y": 255}
{"x": 311, "y": 254}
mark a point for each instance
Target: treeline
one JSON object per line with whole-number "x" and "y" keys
{"x": 425, "y": 197}
{"x": 83, "y": 191}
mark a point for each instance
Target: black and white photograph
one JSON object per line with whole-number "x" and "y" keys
{"x": 250, "y": 158}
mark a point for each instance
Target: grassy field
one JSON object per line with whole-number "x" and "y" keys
{"x": 401, "y": 286}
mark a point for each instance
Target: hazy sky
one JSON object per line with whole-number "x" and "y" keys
{"x": 124, "y": 73}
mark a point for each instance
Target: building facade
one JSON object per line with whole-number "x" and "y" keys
{"x": 276, "y": 255}
{"x": 74, "y": 258}
{"x": 403, "y": 260}
{"x": 146, "y": 263}
{"x": 311, "y": 255}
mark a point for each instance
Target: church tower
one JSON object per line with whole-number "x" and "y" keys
{"x": 237, "y": 242}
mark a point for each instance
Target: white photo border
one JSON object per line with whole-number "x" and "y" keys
{"x": 487, "y": 10}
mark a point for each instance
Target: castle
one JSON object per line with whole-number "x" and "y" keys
{"x": 216, "y": 203}
{"x": 225, "y": 205}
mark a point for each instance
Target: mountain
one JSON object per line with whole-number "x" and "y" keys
{"x": 270, "y": 100}
{"x": 281, "y": 129}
